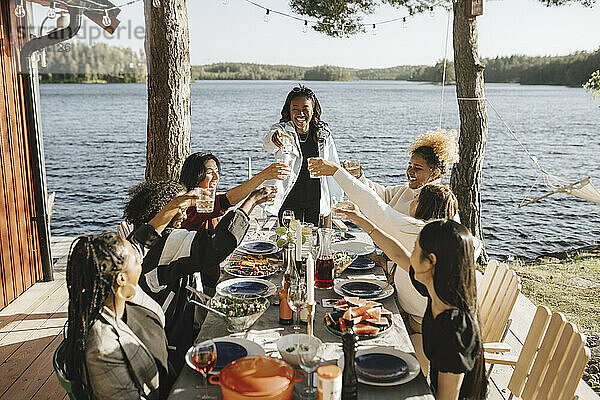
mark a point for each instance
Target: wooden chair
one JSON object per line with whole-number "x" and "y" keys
{"x": 497, "y": 294}
{"x": 551, "y": 361}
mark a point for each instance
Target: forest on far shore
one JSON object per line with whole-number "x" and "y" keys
{"x": 80, "y": 63}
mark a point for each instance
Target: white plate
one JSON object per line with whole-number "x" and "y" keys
{"x": 252, "y": 349}
{"x": 223, "y": 286}
{"x": 413, "y": 365}
{"x": 353, "y": 247}
{"x": 337, "y": 287}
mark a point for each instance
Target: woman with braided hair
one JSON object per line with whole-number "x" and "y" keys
{"x": 116, "y": 345}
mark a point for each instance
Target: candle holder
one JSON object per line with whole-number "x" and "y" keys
{"x": 311, "y": 318}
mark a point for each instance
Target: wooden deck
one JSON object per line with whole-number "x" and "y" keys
{"x": 31, "y": 330}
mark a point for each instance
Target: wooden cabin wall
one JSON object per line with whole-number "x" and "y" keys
{"x": 20, "y": 263}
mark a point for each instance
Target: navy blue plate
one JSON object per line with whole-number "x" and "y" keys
{"x": 228, "y": 352}
{"x": 362, "y": 263}
{"x": 246, "y": 288}
{"x": 259, "y": 247}
{"x": 380, "y": 367}
{"x": 361, "y": 289}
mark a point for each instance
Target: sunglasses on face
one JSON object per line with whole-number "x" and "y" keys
{"x": 302, "y": 89}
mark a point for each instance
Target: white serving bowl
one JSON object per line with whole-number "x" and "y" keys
{"x": 286, "y": 342}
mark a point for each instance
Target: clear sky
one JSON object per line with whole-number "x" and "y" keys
{"x": 236, "y": 32}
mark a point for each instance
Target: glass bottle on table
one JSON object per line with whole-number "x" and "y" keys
{"x": 349, "y": 380}
{"x": 324, "y": 265}
{"x": 289, "y": 275}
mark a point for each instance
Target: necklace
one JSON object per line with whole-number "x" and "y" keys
{"x": 305, "y": 137}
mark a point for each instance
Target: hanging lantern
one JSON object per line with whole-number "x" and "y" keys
{"x": 474, "y": 8}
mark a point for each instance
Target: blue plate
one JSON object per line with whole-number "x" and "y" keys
{"x": 380, "y": 367}
{"x": 259, "y": 247}
{"x": 250, "y": 287}
{"x": 361, "y": 289}
{"x": 362, "y": 263}
{"x": 228, "y": 352}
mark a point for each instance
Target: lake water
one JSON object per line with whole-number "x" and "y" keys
{"x": 95, "y": 147}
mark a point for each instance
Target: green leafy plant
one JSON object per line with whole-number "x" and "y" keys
{"x": 592, "y": 86}
{"x": 286, "y": 236}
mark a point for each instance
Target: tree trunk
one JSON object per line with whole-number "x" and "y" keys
{"x": 466, "y": 174}
{"x": 167, "y": 46}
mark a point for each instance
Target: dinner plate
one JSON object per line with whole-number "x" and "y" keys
{"x": 229, "y": 349}
{"x": 353, "y": 247}
{"x": 361, "y": 264}
{"x": 361, "y": 336}
{"x": 386, "y": 290}
{"x": 362, "y": 289}
{"x": 259, "y": 247}
{"x": 387, "y": 363}
{"x": 246, "y": 286}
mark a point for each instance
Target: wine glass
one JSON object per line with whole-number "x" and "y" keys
{"x": 204, "y": 357}
{"x": 296, "y": 300}
{"x": 286, "y": 218}
{"x": 309, "y": 361}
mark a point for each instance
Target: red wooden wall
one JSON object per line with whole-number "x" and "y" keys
{"x": 20, "y": 264}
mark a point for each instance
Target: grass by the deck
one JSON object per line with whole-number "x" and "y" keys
{"x": 547, "y": 282}
{"x": 30, "y": 331}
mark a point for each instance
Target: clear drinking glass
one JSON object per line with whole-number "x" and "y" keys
{"x": 204, "y": 357}
{"x": 286, "y": 218}
{"x": 309, "y": 361}
{"x": 206, "y": 202}
{"x": 310, "y": 173}
{"x": 353, "y": 167}
{"x": 336, "y": 203}
{"x": 297, "y": 300}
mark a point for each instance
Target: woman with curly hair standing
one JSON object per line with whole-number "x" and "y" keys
{"x": 301, "y": 134}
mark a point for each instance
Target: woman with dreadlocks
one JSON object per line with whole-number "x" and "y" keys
{"x": 116, "y": 346}
{"x": 301, "y": 134}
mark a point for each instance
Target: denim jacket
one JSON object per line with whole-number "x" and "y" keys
{"x": 327, "y": 151}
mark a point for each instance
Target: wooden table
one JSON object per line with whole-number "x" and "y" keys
{"x": 397, "y": 336}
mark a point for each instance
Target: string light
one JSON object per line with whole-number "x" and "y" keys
{"x": 337, "y": 31}
{"x": 225, "y": 2}
{"x": 374, "y": 29}
{"x": 106, "y": 21}
{"x": 156, "y": 3}
{"x": 52, "y": 10}
{"x": 20, "y": 10}
{"x": 431, "y": 13}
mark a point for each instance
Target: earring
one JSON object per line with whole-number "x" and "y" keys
{"x": 125, "y": 292}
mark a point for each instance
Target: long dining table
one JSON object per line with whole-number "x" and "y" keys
{"x": 190, "y": 384}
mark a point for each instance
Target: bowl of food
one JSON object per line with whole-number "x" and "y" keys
{"x": 289, "y": 346}
{"x": 240, "y": 312}
{"x": 341, "y": 261}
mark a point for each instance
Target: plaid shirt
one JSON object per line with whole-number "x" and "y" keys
{"x": 119, "y": 365}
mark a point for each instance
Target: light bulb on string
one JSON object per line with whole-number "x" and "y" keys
{"x": 106, "y": 21}
{"x": 305, "y": 27}
{"x": 267, "y": 16}
{"x": 374, "y": 29}
{"x": 20, "y": 10}
{"x": 156, "y": 3}
{"x": 404, "y": 24}
{"x": 431, "y": 13}
{"x": 52, "y": 11}
{"x": 225, "y": 2}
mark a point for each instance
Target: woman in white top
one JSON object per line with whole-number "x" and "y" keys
{"x": 301, "y": 134}
{"x": 433, "y": 202}
{"x": 430, "y": 157}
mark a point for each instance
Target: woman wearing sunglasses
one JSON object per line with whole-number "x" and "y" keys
{"x": 300, "y": 135}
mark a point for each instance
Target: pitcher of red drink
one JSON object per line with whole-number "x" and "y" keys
{"x": 324, "y": 265}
